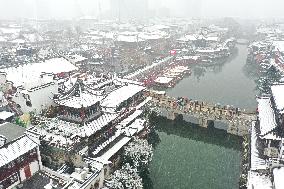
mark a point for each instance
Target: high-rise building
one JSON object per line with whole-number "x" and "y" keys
{"x": 129, "y": 9}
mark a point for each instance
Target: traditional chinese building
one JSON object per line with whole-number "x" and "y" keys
{"x": 267, "y": 144}
{"x": 80, "y": 104}
{"x": 94, "y": 122}
{"x": 31, "y": 86}
{"x": 19, "y": 155}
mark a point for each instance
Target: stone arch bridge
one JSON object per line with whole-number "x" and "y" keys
{"x": 238, "y": 122}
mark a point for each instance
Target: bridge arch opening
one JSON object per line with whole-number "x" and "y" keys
{"x": 210, "y": 124}
{"x": 179, "y": 117}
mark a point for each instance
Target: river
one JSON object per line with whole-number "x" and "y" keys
{"x": 192, "y": 157}
{"x": 227, "y": 84}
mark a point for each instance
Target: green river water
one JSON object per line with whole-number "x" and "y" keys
{"x": 191, "y": 157}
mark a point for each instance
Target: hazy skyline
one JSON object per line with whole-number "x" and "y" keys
{"x": 68, "y": 9}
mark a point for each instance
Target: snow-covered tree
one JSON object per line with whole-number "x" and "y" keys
{"x": 125, "y": 178}
{"x": 269, "y": 76}
{"x": 139, "y": 154}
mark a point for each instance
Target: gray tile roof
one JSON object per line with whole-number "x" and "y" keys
{"x": 11, "y": 131}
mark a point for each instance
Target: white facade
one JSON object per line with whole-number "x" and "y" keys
{"x": 4, "y": 84}
{"x": 39, "y": 98}
{"x": 34, "y": 168}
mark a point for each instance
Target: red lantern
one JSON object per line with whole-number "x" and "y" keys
{"x": 173, "y": 52}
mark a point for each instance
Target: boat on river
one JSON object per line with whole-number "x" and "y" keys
{"x": 171, "y": 76}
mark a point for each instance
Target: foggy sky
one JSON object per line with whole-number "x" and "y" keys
{"x": 68, "y": 9}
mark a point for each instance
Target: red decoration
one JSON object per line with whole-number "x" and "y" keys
{"x": 17, "y": 164}
{"x": 82, "y": 114}
{"x": 27, "y": 171}
{"x": 173, "y": 52}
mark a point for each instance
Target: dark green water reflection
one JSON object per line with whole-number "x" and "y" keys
{"x": 191, "y": 157}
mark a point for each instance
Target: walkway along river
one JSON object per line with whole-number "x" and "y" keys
{"x": 192, "y": 157}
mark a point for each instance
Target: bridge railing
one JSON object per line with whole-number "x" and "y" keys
{"x": 199, "y": 107}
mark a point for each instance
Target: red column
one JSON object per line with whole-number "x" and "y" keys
{"x": 27, "y": 171}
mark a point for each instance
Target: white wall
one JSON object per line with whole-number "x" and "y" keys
{"x": 3, "y": 78}
{"x": 34, "y": 167}
{"x": 22, "y": 175}
{"x": 99, "y": 179}
{"x": 40, "y": 99}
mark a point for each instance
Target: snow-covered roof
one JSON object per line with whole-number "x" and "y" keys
{"x": 57, "y": 132}
{"x": 256, "y": 161}
{"x": 129, "y": 38}
{"x": 201, "y": 37}
{"x": 135, "y": 127}
{"x": 138, "y": 72}
{"x": 115, "y": 148}
{"x": 14, "y": 150}
{"x": 92, "y": 127}
{"x": 128, "y": 81}
{"x": 107, "y": 142}
{"x": 142, "y": 104}
{"x": 130, "y": 118}
{"x": 278, "y": 175}
{"x": 191, "y": 37}
{"x": 129, "y": 33}
{"x": 278, "y": 65}
{"x": 156, "y": 27}
{"x": 265, "y": 30}
{"x": 278, "y": 95}
{"x": 258, "y": 181}
{"x": 109, "y": 35}
{"x": 217, "y": 28}
{"x": 279, "y": 45}
{"x": 190, "y": 57}
{"x": 18, "y": 41}
{"x": 3, "y": 100}
{"x": 153, "y": 35}
{"x": 164, "y": 80}
{"x": 65, "y": 134}
{"x": 120, "y": 95}
{"x": 272, "y": 136}
{"x": 266, "y": 116}
{"x": 85, "y": 99}
{"x": 209, "y": 50}
{"x": 33, "y": 37}
{"x": 8, "y": 30}
{"x": 2, "y": 39}
{"x": 57, "y": 65}
{"x": 188, "y": 38}
{"x": 260, "y": 44}
{"x": 30, "y": 73}
{"x": 77, "y": 58}
{"x": 158, "y": 92}
{"x": 212, "y": 38}
{"x": 179, "y": 69}
{"x": 5, "y": 115}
